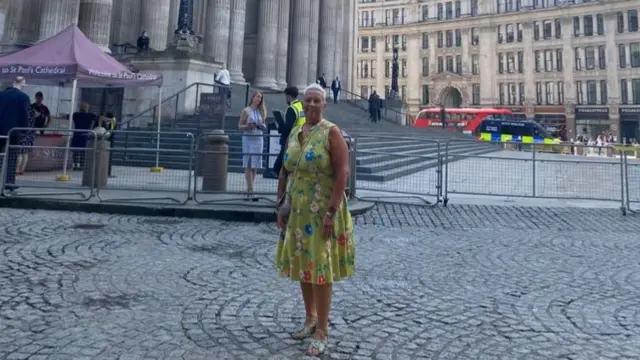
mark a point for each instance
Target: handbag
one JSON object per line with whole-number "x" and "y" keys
{"x": 283, "y": 205}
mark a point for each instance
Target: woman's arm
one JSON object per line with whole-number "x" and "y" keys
{"x": 340, "y": 162}
{"x": 282, "y": 182}
{"x": 242, "y": 124}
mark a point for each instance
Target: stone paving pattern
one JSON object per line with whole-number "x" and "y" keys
{"x": 462, "y": 282}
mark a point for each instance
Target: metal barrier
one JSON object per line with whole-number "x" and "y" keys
{"x": 45, "y": 174}
{"x": 632, "y": 184}
{"x": 532, "y": 174}
{"x": 147, "y": 175}
{"x": 412, "y": 170}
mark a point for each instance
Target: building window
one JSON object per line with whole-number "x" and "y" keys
{"x": 450, "y": 64}
{"x": 364, "y": 91}
{"x": 620, "y": 22}
{"x": 386, "y": 90}
{"x": 425, "y": 40}
{"x": 425, "y": 66}
{"x": 632, "y": 16}
{"x": 587, "y": 23}
{"x": 536, "y": 31}
{"x": 425, "y": 94}
{"x": 624, "y": 92}
{"x": 404, "y": 42}
{"x": 458, "y": 38}
{"x": 425, "y": 12}
{"x": 603, "y": 92}
{"x": 458, "y": 9}
{"x": 592, "y": 92}
{"x": 403, "y": 66}
{"x": 373, "y": 69}
{"x": 500, "y": 63}
{"x": 578, "y": 59}
{"x": 511, "y": 63}
{"x": 459, "y": 64}
{"x": 474, "y": 8}
{"x": 521, "y": 93}
{"x": 539, "y": 93}
{"x": 449, "y": 39}
{"x": 364, "y": 44}
{"x": 475, "y": 36}
{"x": 546, "y": 29}
{"x": 440, "y": 64}
{"x": 387, "y": 68}
{"x": 521, "y": 62}
{"x": 548, "y": 93}
{"x": 602, "y": 57}
{"x": 440, "y": 39}
{"x": 538, "y": 60}
{"x": 440, "y": 11}
{"x": 475, "y": 64}
{"x": 558, "y": 26}
{"x": 635, "y": 91}
{"x": 579, "y": 94}
{"x": 520, "y": 31}
{"x": 576, "y": 26}
{"x": 548, "y": 60}
{"x": 559, "y": 60}
{"x": 560, "y": 93}
{"x": 475, "y": 94}
{"x": 500, "y": 37}
{"x": 622, "y": 55}
{"x": 503, "y": 89}
{"x": 634, "y": 50}
{"x": 448, "y": 10}
{"x": 387, "y": 43}
{"x": 510, "y": 34}
{"x": 374, "y": 43}
{"x": 513, "y": 96}
{"x": 364, "y": 69}
{"x": 600, "y": 24}
{"x": 403, "y": 91}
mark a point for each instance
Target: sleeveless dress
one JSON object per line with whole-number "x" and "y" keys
{"x": 253, "y": 144}
{"x": 302, "y": 253}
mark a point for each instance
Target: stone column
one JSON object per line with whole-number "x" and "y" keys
{"x": 339, "y": 54}
{"x": 380, "y": 69}
{"x": 529, "y": 63}
{"x": 216, "y": 36}
{"x": 56, "y": 16}
{"x": 174, "y": 12}
{"x": 328, "y": 35}
{"x": 488, "y": 60}
{"x": 465, "y": 47}
{"x": 568, "y": 68}
{"x": 154, "y": 20}
{"x": 236, "y": 40}
{"x": 93, "y": 22}
{"x": 350, "y": 43}
{"x": 413, "y": 67}
{"x": 125, "y": 21}
{"x": 283, "y": 43}
{"x": 12, "y": 23}
{"x": 266, "y": 65}
{"x": 613, "y": 64}
{"x": 314, "y": 29}
{"x": 299, "y": 53}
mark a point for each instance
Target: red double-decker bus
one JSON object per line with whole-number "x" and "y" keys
{"x": 465, "y": 120}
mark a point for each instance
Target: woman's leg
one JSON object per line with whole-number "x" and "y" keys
{"x": 248, "y": 178}
{"x": 19, "y": 163}
{"x": 322, "y": 302}
{"x": 311, "y": 315}
{"x": 25, "y": 160}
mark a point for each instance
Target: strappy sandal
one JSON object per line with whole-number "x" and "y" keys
{"x": 307, "y": 331}
{"x": 318, "y": 347}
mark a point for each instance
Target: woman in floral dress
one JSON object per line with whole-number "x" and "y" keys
{"x": 317, "y": 246}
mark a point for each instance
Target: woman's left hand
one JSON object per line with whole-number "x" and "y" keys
{"x": 328, "y": 227}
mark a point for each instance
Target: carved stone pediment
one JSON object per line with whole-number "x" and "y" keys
{"x": 449, "y": 78}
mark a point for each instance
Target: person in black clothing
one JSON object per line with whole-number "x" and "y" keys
{"x": 143, "y": 41}
{"x": 82, "y": 120}
{"x": 291, "y": 95}
{"x": 374, "y": 107}
{"x": 42, "y": 113}
{"x": 14, "y": 112}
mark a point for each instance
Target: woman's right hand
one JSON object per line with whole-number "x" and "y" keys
{"x": 282, "y": 223}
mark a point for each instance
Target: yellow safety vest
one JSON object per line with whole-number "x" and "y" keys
{"x": 300, "y": 118}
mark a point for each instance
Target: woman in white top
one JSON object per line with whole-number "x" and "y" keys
{"x": 252, "y": 125}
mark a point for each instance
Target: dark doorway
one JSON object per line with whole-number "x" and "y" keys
{"x": 451, "y": 97}
{"x": 104, "y": 100}
{"x": 630, "y": 131}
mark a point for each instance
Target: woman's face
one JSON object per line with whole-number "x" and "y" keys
{"x": 257, "y": 99}
{"x": 313, "y": 104}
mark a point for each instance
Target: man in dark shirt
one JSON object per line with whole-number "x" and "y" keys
{"x": 42, "y": 113}
{"x": 14, "y": 113}
{"x": 291, "y": 95}
{"x": 374, "y": 107}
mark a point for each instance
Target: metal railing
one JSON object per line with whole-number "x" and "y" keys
{"x": 387, "y": 113}
{"x": 178, "y": 168}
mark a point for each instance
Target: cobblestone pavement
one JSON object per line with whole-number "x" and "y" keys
{"x": 463, "y": 282}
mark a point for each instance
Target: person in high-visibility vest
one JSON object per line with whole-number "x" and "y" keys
{"x": 293, "y": 118}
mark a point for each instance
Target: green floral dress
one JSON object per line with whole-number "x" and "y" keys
{"x": 303, "y": 254}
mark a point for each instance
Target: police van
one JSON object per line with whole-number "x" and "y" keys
{"x": 513, "y": 131}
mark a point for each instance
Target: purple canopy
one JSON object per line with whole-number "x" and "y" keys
{"x": 71, "y": 55}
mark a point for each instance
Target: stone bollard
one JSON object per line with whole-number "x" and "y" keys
{"x": 96, "y": 168}
{"x": 215, "y": 161}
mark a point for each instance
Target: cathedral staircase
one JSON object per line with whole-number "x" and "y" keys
{"x": 386, "y": 150}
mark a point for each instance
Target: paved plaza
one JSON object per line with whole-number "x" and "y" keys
{"x": 461, "y": 282}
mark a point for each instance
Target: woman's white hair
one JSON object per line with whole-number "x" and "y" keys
{"x": 315, "y": 87}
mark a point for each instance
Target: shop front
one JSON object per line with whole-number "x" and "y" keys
{"x": 592, "y": 121}
{"x": 552, "y": 118}
{"x": 630, "y": 124}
